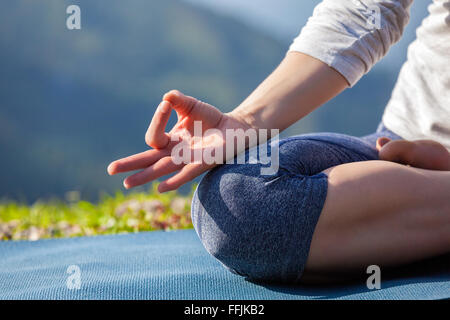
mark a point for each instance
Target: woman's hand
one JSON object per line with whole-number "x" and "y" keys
{"x": 163, "y": 159}
{"x": 296, "y": 87}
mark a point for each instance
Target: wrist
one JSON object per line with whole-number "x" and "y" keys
{"x": 246, "y": 119}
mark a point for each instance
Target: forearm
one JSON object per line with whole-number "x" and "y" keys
{"x": 297, "y": 86}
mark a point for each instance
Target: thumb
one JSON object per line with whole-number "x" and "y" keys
{"x": 181, "y": 103}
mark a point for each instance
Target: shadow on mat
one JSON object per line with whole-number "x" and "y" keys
{"x": 426, "y": 271}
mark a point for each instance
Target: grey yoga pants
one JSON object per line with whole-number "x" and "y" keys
{"x": 261, "y": 226}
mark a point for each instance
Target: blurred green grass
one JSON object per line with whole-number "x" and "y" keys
{"x": 120, "y": 213}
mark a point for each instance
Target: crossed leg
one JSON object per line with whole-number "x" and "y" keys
{"x": 330, "y": 211}
{"x": 379, "y": 212}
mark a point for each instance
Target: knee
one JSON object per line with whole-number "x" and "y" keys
{"x": 249, "y": 223}
{"x": 222, "y": 219}
{"x": 217, "y": 215}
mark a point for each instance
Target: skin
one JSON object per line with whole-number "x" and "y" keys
{"x": 375, "y": 211}
{"x": 426, "y": 154}
{"x": 379, "y": 212}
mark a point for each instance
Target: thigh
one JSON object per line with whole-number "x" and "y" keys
{"x": 381, "y": 213}
{"x": 310, "y": 154}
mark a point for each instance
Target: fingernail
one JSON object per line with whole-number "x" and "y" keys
{"x": 175, "y": 95}
{"x": 164, "y": 106}
{"x": 110, "y": 170}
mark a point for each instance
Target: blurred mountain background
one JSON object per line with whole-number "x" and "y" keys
{"x": 71, "y": 101}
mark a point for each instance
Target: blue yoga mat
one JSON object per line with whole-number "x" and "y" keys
{"x": 174, "y": 265}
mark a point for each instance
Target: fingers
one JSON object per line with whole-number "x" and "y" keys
{"x": 159, "y": 169}
{"x": 181, "y": 103}
{"x": 381, "y": 142}
{"x": 189, "y": 106}
{"x": 155, "y": 136}
{"x": 186, "y": 174}
{"x": 136, "y": 162}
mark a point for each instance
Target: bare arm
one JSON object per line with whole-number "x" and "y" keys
{"x": 298, "y": 85}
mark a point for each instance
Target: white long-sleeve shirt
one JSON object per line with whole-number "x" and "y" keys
{"x": 352, "y": 35}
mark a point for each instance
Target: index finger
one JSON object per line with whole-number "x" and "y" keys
{"x": 155, "y": 136}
